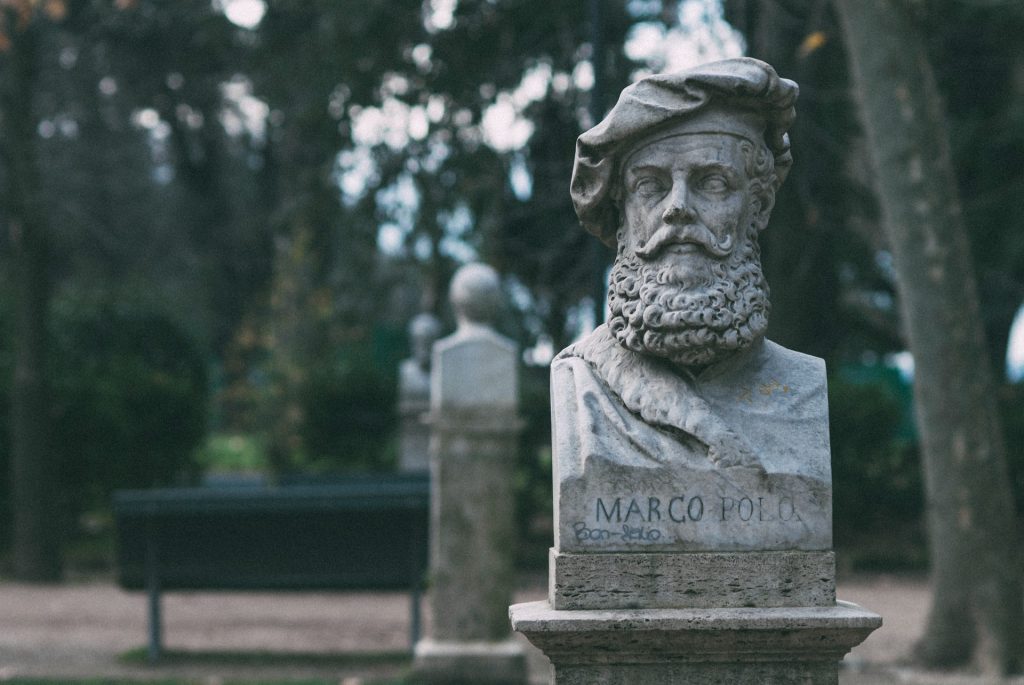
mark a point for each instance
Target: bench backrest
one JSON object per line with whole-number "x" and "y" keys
{"x": 363, "y": 533}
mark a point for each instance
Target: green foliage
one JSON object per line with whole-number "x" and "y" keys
{"x": 975, "y": 49}
{"x": 228, "y": 453}
{"x": 532, "y": 486}
{"x": 349, "y": 417}
{"x": 876, "y": 472}
{"x": 1011, "y": 404}
{"x": 460, "y": 183}
{"x": 877, "y": 482}
{"x": 830, "y": 298}
{"x": 176, "y": 681}
{"x": 130, "y": 401}
{"x": 129, "y": 404}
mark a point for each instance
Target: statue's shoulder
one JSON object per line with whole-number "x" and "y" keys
{"x": 598, "y": 366}
{"x": 409, "y": 371}
{"x": 597, "y": 350}
{"x": 791, "y": 383}
{"x": 569, "y": 367}
{"x": 473, "y": 335}
{"x": 795, "y": 365}
{"x": 597, "y": 345}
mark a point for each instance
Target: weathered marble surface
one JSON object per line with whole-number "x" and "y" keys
{"x": 632, "y": 440}
{"x": 479, "y": 372}
{"x": 473, "y": 522}
{"x": 613, "y": 508}
{"x": 681, "y": 177}
{"x": 765, "y": 407}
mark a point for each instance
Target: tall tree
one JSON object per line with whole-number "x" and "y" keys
{"x": 180, "y": 64}
{"x": 818, "y": 251}
{"x": 89, "y": 209}
{"x": 403, "y": 127}
{"x": 35, "y": 512}
{"x": 975, "y": 49}
{"x": 978, "y": 607}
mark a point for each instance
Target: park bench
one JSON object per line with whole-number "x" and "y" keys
{"x": 360, "y": 533}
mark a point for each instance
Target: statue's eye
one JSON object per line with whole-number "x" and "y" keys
{"x": 714, "y": 183}
{"x": 649, "y": 186}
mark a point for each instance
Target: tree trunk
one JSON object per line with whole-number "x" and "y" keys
{"x": 977, "y": 607}
{"x": 33, "y": 473}
{"x": 36, "y": 539}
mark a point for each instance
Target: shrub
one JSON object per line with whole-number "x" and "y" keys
{"x": 876, "y": 471}
{"x": 350, "y": 418}
{"x": 130, "y": 402}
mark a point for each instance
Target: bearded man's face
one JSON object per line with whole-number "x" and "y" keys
{"x": 687, "y": 282}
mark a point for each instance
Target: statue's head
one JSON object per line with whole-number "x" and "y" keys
{"x": 475, "y": 294}
{"x": 424, "y": 330}
{"x": 680, "y": 178}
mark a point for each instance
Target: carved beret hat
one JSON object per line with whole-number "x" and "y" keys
{"x": 742, "y": 96}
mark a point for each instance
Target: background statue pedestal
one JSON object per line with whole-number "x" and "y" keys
{"x": 472, "y": 575}
{"x": 474, "y": 428}
{"x": 470, "y": 663}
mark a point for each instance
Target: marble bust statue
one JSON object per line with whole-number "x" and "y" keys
{"x": 693, "y": 495}
{"x": 681, "y": 383}
{"x": 414, "y": 372}
{"x": 414, "y": 394}
{"x": 480, "y": 374}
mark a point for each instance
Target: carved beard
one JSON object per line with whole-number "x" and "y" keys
{"x": 691, "y": 319}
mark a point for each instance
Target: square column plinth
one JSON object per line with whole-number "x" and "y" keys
{"x": 695, "y": 580}
{"x": 767, "y": 646}
{"x": 470, "y": 663}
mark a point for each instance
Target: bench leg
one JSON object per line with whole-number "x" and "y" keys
{"x": 153, "y": 595}
{"x": 414, "y": 617}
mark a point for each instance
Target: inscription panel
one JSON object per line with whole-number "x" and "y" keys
{"x": 688, "y": 510}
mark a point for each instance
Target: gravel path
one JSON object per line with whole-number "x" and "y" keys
{"x": 80, "y": 629}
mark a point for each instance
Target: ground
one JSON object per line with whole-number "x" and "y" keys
{"x": 84, "y": 628}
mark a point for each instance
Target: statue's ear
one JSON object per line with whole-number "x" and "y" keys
{"x": 762, "y": 204}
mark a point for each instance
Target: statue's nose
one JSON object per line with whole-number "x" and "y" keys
{"x": 679, "y": 209}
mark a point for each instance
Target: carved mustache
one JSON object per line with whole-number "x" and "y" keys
{"x": 690, "y": 234}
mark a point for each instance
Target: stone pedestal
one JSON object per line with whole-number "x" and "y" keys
{"x": 414, "y": 395}
{"x": 770, "y": 646}
{"x": 414, "y": 435}
{"x": 666, "y": 580}
{"x": 699, "y": 617}
{"x": 474, "y": 430}
{"x": 472, "y": 529}
{"x": 472, "y": 534}
{"x": 470, "y": 663}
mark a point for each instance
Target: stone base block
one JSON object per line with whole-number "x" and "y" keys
{"x": 673, "y": 580}
{"x": 773, "y": 646}
{"x": 469, "y": 663}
